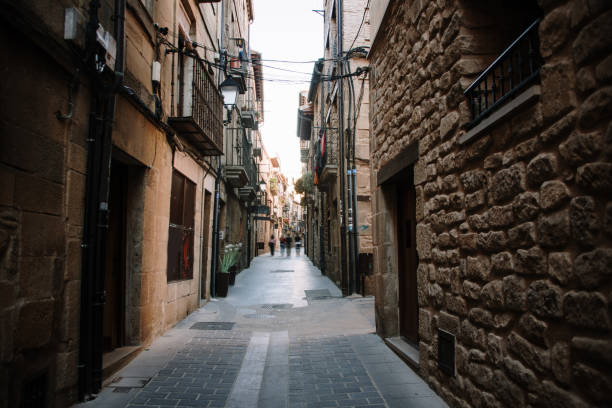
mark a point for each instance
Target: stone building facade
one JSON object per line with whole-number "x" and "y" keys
{"x": 338, "y": 213}
{"x": 492, "y": 208}
{"x": 60, "y": 315}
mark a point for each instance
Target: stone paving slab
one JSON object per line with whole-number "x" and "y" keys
{"x": 304, "y": 354}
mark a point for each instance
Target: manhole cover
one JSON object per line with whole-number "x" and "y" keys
{"x": 125, "y": 384}
{"x": 282, "y": 271}
{"x": 259, "y": 316}
{"x": 277, "y": 306}
{"x": 317, "y": 294}
{"x": 213, "y": 326}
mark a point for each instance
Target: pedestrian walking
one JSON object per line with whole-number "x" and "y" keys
{"x": 282, "y": 244}
{"x": 272, "y": 244}
{"x": 288, "y": 244}
{"x": 298, "y": 244}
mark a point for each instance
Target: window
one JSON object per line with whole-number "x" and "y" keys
{"x": 180, "y": 234}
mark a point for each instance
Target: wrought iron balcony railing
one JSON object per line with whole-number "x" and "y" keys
{"x": 201, "y": 120}
{"x": 326, "y": 157}
{"x": 237, "y": 153}
{"x": 516, "y": 67}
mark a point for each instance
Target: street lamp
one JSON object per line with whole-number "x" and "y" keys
{"x": 229, "y": 90}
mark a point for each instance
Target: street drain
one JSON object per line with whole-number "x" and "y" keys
{"x": 282, "y": 271}
{"x": 259, "y": 316}
{"x": 277, "y": 306}
{"x": 317, "y": 294}
{"x": 213, "y": 326}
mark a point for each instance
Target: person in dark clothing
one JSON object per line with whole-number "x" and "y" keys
{"x": 288, "y": 244}
{"x": 272, "y": 244}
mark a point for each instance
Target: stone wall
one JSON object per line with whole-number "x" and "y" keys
{"x": 42, "y": 189}
{"x": 514, "y": 226}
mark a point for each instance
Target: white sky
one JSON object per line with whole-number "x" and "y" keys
{"x": 285, "y": 30}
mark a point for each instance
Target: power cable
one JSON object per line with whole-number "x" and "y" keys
{"x": 365, "y": 11}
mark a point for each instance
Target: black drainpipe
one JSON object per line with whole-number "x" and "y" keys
{"x": 95, "y": 229}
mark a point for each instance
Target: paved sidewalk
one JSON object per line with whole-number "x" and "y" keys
{"x": 283, "y": 337}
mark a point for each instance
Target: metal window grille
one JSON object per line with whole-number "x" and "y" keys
{"x": 34, "y": 392}
{"x": 446, "y": 352}
{"x": 516, "y": 67}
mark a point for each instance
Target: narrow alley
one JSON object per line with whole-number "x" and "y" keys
{"x": 283, "y": 337}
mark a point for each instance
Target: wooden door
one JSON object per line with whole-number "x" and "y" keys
{"x": 407, "y": 263}
{"x": 205, "y": 242}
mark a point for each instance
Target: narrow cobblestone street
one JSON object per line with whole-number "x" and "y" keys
{"x": 283, "y": 337}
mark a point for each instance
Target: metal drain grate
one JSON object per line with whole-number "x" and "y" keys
{"x": 317, "y": 294}
{"x": 277, "y": 306}
{"x": 282, "y": 271}
{"x": 213, "y": 326}
{"x": 259, "y": 316}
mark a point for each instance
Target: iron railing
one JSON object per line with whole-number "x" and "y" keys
{"x": 237, "y": 149}
{"x": 329, "y": 149}
{"x": 207, "y": 104}
{"x": 515, "y": 68}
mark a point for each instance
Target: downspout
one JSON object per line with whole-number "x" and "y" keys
{"x": 215, "y": 246}
{"x": 96, "y": 209}
{"x": 350, "y": 187}
{"x": 322, "y": 198}
{"x": 342, "y": 169}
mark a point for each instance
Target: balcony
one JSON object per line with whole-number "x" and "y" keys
{"x": 201, "y": 111}
{"x": 327, "y": 160}
{"x": 516, "y": 68}
{"x": 237, "y": 154}
{"x": 247, "y": 193}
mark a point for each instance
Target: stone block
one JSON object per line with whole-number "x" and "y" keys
{"x": 550, "y": 395}
{"x": 559, "y": 129}
{"x": 531, "y": 261}
{"x": 481, "y": 317}
{"x": 584, "y": 221}
{"x": 586, "y": 309}
{"x": 502, "y": 263}
{"x": 479, "y": 147}
{"x": 560, "y": 360}
{"x": 595, "y": 177}
{"x": 533, "y": 329}
{"x": 533, "y": 356}
{"x": 493, "y": 241}
{"x": 479, "y": 222}
{"x": 554, "y": 30}
{"x": 554, "y": 229}
{"x": 553, "y": 194}
{"x": 456, "y": 305}
{"x": 478, "y": 268}
{"x": 500, "y": 216}
{"x": 596, "y": 384}
{"x": 66, "y": 370}
{"x": 471, "y": 335}
{"x": 581, "y": 147}
{"x": 473, "y": 180}
{"x": 423, "y": 241}
{"x": 596, "y": 108}
{"x": 42, "y": 235}
{"x": 594, "y": 38}
{"x": 525, "y": 207}
{"x": 558, "y": 96}
{"x": 523, "y": 235}
{"x": 35, "y": 324}
{"x": 425, "y": 329}
{"x": 471, "y": 290}
{"x": 560, "y": 267}
{"x": 593, "y": 349}
{"x": 492, "y": 295}
{"x": 544, "y": 299}
{"x": 513, "y": 289}
{"x": 593, "y": 268}
{"x": 448, "y": 322}
{"x": 481, "y": 374}
{"x": 519, "y": 373}
{"x": 468, "y": 242}
{"x": 435, "y": 295}
{"x": 507, "y": 183}
{"x": 541, "y": 168}
{"x": 36, "y": 194}
{"x": 603, "y": 71}
{"x": 38, "y": 274}
{"x": 495, "y": 348}
{"x": 507, "y": 392}
{"x": 475, "y": 200}
{"x": 607, "y": 223}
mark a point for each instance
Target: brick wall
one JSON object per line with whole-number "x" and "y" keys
{"x": 513, "y": 230}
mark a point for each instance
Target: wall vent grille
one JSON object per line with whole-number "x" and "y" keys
{"x": 34, "y": 392}
{"x": 446, "y": 352}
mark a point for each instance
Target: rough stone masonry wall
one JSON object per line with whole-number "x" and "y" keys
{"x": 514, "y": 229}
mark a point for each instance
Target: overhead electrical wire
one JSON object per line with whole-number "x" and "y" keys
{"x": 365, "y": 11}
